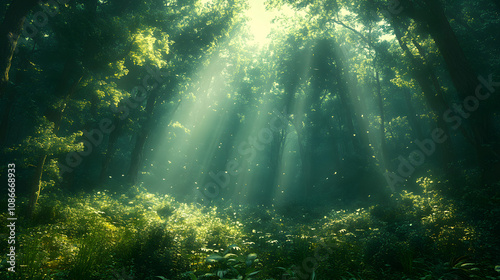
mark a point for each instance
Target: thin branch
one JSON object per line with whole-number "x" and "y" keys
{"x": 363, "y": 37}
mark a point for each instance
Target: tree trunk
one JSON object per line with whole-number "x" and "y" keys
{"x": 415, "y": 126}
{"x": 137, "y": 155}
{"x": 4, "y": 122}
{"x": 383, "y": 145}
{"x": 357, "y": 140}
{"x": 111, "y": 149}
{"x": 37, "y": 178}
{"x": 10, "y": 31}
{"x": 346, "y": 104}
{"x": 304, "y": 152}
{"x": 36, "y": 184}
{"x": 462, "y": 74}
{"x": 137, "y": 152}
{"x": 435, "y": 100}
{"x": 275, "y": 165}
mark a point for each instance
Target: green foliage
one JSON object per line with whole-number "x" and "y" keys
{"x": 33, "y": 256}
{"x": 336, "y": 71}
{"x": 92, "y": 254}
{"x": 148, "y": 236}
{"x": 232, "y": 266}
{"x": 45, "y": 142}
{"x": 150, "y": 48}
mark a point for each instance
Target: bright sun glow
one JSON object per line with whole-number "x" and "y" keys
{"x": 260, "y": 20}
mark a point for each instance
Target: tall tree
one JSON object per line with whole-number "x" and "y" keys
{"x": 10, "y": 30}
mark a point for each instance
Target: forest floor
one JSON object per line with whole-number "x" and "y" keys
{"x": 140, "y": 235}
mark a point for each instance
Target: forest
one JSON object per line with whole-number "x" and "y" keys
{"x": 250, "y": 139}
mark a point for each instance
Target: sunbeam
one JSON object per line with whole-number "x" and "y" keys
{"x": 250, "y": 139}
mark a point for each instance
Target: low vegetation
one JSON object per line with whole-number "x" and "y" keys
{"x": 140, "y": 235}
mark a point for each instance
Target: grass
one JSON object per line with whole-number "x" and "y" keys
{"x": 143, "y": 235}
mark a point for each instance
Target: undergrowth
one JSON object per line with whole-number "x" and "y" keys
{"x": 140, "y": 235}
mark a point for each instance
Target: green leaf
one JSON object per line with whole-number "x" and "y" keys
{"x": 253, "y": 273}
{"x": 235, "y": 247}
{"x": 250, "y": 259}
{"x": 252, "y": 256}
{"x": 214, "y": 258}
{"x": 192, "y": 275}
{"x": 227, "y": 256}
